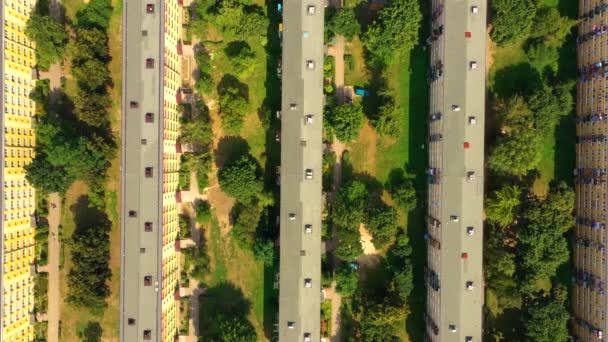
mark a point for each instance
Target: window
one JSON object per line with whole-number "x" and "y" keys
{"x": 149, "y": 117}
{"x": 144, "y": 141}
{"x": 148, "y": 280}
{"x": 131, "y": 321}
{"x": 147, "y": 335}
{"x": 150, "y": 63}
{"x": 144, "y": 33}
{"x": 142, "y": 250}
{"x": 150, "y": 8}
{"x": 148, "y": 226}
{"x": 132, "y": 213}
{"x": 134, "y": 104}
{"x": 149, "y": 172}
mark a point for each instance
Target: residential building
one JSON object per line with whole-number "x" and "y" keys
{"x": 589, "y": 281}
{"x": 18, "y": 204}
{"x": 454, "y": 276}
{"x": 301, "y": 171}
{"x": 150, "y": 165}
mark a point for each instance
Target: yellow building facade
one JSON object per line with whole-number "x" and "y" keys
{"x": 171, "y": 86}
{"x": 19, "y": 197}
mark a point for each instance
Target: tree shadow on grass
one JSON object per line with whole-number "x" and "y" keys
{"x": 565, "y": 154}
{"x": 521, "y": 78}
{"x": 230, "y": 81}
{"x": 230, "y": 148}
{"x": 507, "y": 325}
{"x": 223, "y": 300}
{"x": 86, "y": 217}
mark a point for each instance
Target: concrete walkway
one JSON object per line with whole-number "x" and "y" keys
{"x": 54, "y": 295}
{"x": 337, "y": 51}
{"x": 54, "y": 218}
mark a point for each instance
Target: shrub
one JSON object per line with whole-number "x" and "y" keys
{"x": 203, "y": 211}
{"x": 241, "y": 179}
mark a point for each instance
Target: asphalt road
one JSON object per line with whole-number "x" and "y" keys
{"x": 301, "y": 149}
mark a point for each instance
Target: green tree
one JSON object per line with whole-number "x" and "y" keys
{"x": 378, "y": 320}
{"x": 349, "y": 206}
{"x": 550, "y": 27}
{"x": 96, "y": 14}
{"x": 92, "y": 75}
{"x": 233, "y": 108}
{"x": 240, "y": 55}
{"x": 92, "y": 107}
{"x": 235, "y": 20}
{"x": 263, "y": 250}
{"x": 346, "y": 120}
{"x": 516, "y": 152}
{"x": 403, "y": 280}
{"x": 396, "y": 30}
{"x": 50, "y": 39}
{"x": 92, "y": 332}
{"x": 203, "y": 211}
{"x": 347, "y": 281}
{"x": 381, "y": 222}
{"x": 388, "y": 120}
{"x": 345, "y": 23}
{"x": 542, "y": 245}
{"x": 196, "y": 126}
{"x": 246, "y": 223}
{"x": 543, "y": 57}
{"x": 401, "y": 188}
{"x": 47, "y": 178}
{"x": 241, "y": 179}
{"x": 547, "y": 320}
{"x": 88, "y": 276}
{"x": 236, "y": 329}
{"x": 502, "y": 206}
{"x": 349, "y": 243}
{"x": 513, "y": 20}
{"x": 550, "y": 104}
{"x": 514, "y": 112}
{"x": 89, "y": 43}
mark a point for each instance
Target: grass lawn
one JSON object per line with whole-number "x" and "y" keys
{"x": 378, "y": 156}
{"x": 355, "y": 69}
{"x": 74, "y": 320}
{"x": 236, "y": 270}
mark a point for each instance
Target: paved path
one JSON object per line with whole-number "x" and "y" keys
{"x": 336, "y": 303}
{"x": 53, "y": 313}
{"x": 54, "y": 218}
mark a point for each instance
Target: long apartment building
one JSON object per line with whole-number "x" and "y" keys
{"x": 150, "y": 165}
{"x": 18, "y": 204}
{"x": 301, "y": 153}
{"x": 588, "y": 293}
{"x": 454, "y": 275}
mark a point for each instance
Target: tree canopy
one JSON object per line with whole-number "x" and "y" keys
{"x": 501, "y": 207}
{"x": 547, "y": 319}
{"x": 344, "y": 23}
{"x": 347, "y": 281}
{"x": 388, "y": 120}
{"x": 542, "y": 244}
{"x": 346, "y": 120}
{"x": 513, "y": 20}
{"x": 516, "y": 152}
{"x": 96, "y": 14}
{"x": 550, "y": 27}
{"x": 240, "y": 55}
{"x": 396, "y": 29}
{"x": 236, "y": 329}
{"x": 196, "y": 126}
{"x": 50, "y": 38}
{"x": 233, "y": 108}
{"x": 241, "y": 179}
{"x": 381, "y": 222}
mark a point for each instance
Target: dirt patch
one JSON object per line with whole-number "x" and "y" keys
{"x": 490, "y": 47}
{"x": 363, "y": 150}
